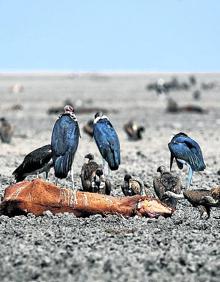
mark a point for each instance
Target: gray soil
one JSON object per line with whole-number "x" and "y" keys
{"x": 112, "y": 248}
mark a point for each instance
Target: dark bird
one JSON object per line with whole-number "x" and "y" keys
{"x": 192, "y": 80}
{"x": 88, "y": 128}
{"x": 166, "y": 182}
{"x": 198, "y": 199}
{"x": 133, "y": 131}
{"x": 100, "y": 184}
{"x": 6, "y": 130}
{"x": 132, "y": 186}
{"x": 36, "y": 162}
{"x": 107, "y": 141}
{"x": 186, "y": 151}
{"x": 203, "y": 199}
{"x": 64, "y": 143}
{"x": 88, "y": 172}
{"x": 172, "y": 106}
{"x": 196, "y": 95}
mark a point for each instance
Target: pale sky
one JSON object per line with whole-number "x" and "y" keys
{"x": 114, "y": 35}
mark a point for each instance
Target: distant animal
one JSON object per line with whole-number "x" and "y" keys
{"x": 88, "y": 172}
{"x": 208, "y": 85}
{"x": 166, "y": 182}
{"x": 196, "y": 95}
{"x": 107, "y": 141}
{"x": 17, "y": 88}
{"x": 6, "y": 130}
{"x": 100, "y": 184}
{"x": 186, "y": 151}
{"x": 17, "y": 107}
{"x": 132, "y": 186}
{"x": 172, "y": 106}
{"x": 64, "y": 143}
{"x": 192, "y": 80}
{"x": 88, "y": 128}
{"x": 36, "y": 162}
{"x": 203, "y": 199}
{"x": 133, "y": 131}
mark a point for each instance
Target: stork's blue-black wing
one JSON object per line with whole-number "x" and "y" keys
{"x": 185, "y": 148}
{"x": 108, "y": 143}
{"x": 64, "y": 143}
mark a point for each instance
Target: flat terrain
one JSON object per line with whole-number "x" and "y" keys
{"x": 66, "y": 248}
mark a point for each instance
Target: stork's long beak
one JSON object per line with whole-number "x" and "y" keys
{"x": 171, "y": 161}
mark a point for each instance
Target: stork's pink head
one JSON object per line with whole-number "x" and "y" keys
{"x": 68, "y": 109}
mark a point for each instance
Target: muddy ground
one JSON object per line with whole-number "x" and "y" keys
{"x": 66, "y": 248}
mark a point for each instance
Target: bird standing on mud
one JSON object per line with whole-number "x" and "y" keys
{"x": 186, "y": 151}
{"x": 88, "y": 172}
{"x": 203, "y": 199}
{"x": 132, "y": 186}
{"x": 133, "y": 131}
{"x": 88, "y": 128}
{"x": 6, "y": 130}
{"x": 92, "y": 177}
{"x": 100, "y": 184}
{"x": 107, "y": 141}
{"x": 38, "y": 161}
{"x": 166, "y": 182}
{"x": 64, "y": 143}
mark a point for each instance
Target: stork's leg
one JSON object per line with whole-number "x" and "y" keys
{"x": 72, "y": 178}
{"x": 109, "y": 172}
{"x": 105, "y": 167}
{"x": 189, "y": 179}
{"x": 56, "y": 182}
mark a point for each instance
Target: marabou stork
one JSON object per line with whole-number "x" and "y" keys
{"x": 64, "y": 143}
{"x": 107, "y": 141}
{"x": 186, "y": 151}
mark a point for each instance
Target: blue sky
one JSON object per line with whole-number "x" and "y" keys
{"x": 114, "y": 35}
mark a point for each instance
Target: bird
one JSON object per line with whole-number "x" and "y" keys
{"x": 64, "y": 143}
{"x": 37, "y": 161}
{"x": 166, "y": 182}
{"x": 192, "y": 80}
{"x": 6, "y": 130}
{"x": 196, "y": 95}
{"x": 172, "y": 106}
{"x": 132, "y": 186}
{"x": 107, "y": 141}
{"x": 100, "y": 184}
{"x": 92, "y": 177}
{"x": 88, "y": 128}
{"x": 203, "y": 199}
{"x": 88, "y": 172}
{"x": 187, "y": 151}
{"x": 133, "y": 131}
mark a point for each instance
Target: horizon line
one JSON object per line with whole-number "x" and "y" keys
{"x": 105, "y": 73}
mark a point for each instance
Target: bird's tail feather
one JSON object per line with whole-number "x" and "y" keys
{"x": 113, "y": 160}
{"x": 62, "y": 166}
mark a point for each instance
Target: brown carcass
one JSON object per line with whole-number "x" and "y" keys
{"x": 38, "y": 196}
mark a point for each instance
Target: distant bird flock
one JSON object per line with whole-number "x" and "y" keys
{"x": 164, "y": 88}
